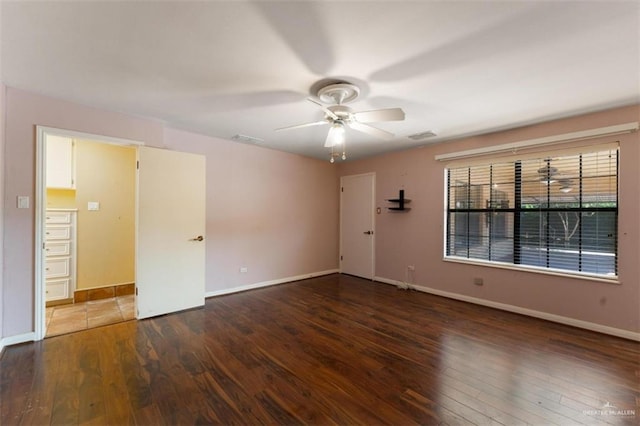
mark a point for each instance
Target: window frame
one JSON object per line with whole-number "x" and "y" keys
{"x": 515, "y": 227}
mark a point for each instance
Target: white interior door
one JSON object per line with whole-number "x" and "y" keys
{"x": 170, "y": 255}
{"x": 357, "y": 199}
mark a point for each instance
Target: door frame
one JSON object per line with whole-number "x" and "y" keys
{"x": 40, "y": 209}
{"x": 373, "y": 218}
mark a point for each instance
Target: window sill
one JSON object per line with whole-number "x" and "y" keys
{"x": 532, "y": 269}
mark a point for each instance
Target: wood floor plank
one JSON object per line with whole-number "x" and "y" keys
{"x": 21, "y": 373}
{"x": 117, "y": 405}
{"x": 332, "y": 350}
{"x": 66, "y": 392}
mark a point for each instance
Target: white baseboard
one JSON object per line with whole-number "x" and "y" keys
{"x": 269, "y": 283}
{"x": 14, "y": 340}
{"x": 625, "y": 334}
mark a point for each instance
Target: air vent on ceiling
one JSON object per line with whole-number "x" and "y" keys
{"x": 247, "y": 139}
{"x": 423, "y": 135}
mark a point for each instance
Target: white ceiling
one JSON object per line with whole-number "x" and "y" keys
{"x": 223, "y": 68}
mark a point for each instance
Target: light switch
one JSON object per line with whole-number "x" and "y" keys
{"x": 93, "y": 205}
{"x": 23, "y": 201}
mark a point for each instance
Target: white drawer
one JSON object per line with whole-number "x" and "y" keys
{"x": 62, "y": 232}
{"x": 57, "y": 289}
{"x": 57, "y": 267}
{"x": 58, "y": 248}
{"x": 58, "y": 217}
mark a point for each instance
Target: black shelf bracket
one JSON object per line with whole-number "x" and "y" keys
{"x": 401, "y": 202}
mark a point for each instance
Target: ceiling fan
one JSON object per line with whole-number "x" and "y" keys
{"x": 339, "y": 116}
{"x": 549, "y": 175}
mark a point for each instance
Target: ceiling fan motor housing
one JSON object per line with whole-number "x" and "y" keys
{"x": 338, "y": 93}
{"x": 344, "y": 113}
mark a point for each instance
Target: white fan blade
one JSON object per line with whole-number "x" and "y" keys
{"x": 389, "y": 114}
{"x": 370, "y": 130}
{"x": 325, "y": 109}
{"x": 299, "y": 126}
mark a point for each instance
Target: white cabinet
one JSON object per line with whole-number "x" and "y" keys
{"x": 60, "y": 254}
{"x": 60, "y": 163}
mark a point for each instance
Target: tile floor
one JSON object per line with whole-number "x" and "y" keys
{"x": 81, "y": 316}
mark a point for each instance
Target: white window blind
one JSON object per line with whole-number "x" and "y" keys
{"x": 556, "y": 212}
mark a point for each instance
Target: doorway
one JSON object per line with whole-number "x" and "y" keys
{"x": 357, "y": 225}
{"x": 89, "y": 239}
{"x": 88, "y": 197}
{"x": 162, "y": 285}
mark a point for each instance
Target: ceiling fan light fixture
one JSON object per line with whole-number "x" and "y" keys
{"x": 547, "y": 181}
{"x": 566, "y": 185}
{"x": 336, "y": 134}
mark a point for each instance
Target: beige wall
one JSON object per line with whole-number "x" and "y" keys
{"x": 106, "y": 238}
{"x": 416, "y": 237}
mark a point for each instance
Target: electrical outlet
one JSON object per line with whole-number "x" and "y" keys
{"x": 244, "y": 270}
{"x": 478, "y": 281}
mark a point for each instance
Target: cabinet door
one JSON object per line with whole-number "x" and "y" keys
{"x": 60, "y": 163}
{"x": 57, "y": 289}
{"x": 57, "y": 267}
{"x": 55, "y": 217}
{"x": 58, "y": 233}
{"x": 57, "y": 248}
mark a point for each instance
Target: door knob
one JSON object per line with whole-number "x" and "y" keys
{"x": 368, "y": 232}
{"x": 198, "y": 238}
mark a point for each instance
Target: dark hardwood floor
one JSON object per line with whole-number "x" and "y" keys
{"x": 331, "y": 350}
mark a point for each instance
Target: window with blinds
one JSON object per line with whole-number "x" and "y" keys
{"x": 557, "y": 212}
